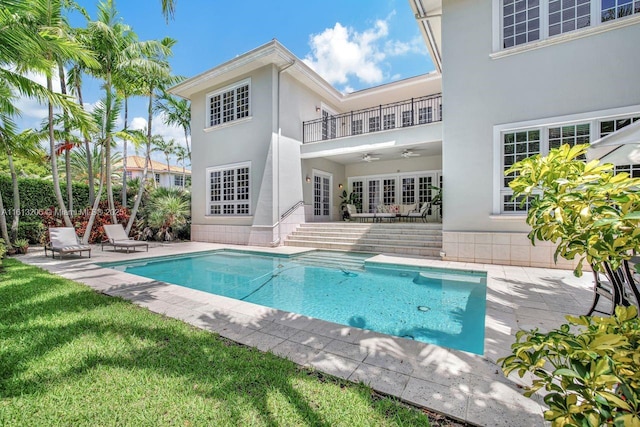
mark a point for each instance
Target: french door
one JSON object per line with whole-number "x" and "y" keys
{"x": 322, "y": 190}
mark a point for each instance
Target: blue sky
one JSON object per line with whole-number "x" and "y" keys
{"x": 353, "y": 44}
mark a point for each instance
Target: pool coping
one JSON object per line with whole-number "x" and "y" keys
{"x": 461, "y": 385}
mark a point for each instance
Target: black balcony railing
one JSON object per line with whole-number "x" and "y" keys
{"x": 412, "y": 112}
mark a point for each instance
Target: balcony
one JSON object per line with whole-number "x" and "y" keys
{"x": 412, "y": 112}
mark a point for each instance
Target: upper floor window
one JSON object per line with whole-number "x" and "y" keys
{"x": 525, "y": 21}
{"x": 613, "y": 9}
{"x": 374, "y": 124}
{"x": 229, "y": 104}
{"x": 521, "y": 22}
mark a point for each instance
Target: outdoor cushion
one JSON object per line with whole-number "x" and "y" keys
{"x": 117, "y": 237}
{"x": 64, "y": 241}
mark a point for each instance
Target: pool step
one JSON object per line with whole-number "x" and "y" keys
{"x": 332, "y": 260}
{"x": 396, "y": 238}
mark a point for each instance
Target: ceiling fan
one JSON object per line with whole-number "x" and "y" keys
{"x": 408, "y": 153}
{"x": 369, "y": 158}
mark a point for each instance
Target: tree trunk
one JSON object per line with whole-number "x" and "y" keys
{"x": 149, "y": 120}
{"x": 107, "y": 150}
{"x": 87, "y": 147}
{"x": 16, "y": 198}
{"x": 169, "y": 172}
{"x": 186, "y": 141}
{"x": 136, "y": 203}
{"x": 54, "y": 163}
{"x": 67, "y": 152}
{"x": 95, "y": 204}
{"x": 3, "y": 225}
{"x": 124, "y": 154}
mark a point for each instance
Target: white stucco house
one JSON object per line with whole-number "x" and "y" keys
{"x": 274, "y": 143}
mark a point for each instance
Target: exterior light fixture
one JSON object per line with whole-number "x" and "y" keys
{"x": 308, "y": 179}
{"x": 340, "y": 186}
{"x": 317, "y": 109}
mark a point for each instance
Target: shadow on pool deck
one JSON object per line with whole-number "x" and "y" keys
{"x": 456, "y": 383}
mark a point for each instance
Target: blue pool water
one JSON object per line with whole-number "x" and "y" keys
{"x": 438, "y": 306}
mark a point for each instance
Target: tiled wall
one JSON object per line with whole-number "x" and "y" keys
{"x": 246, "y": 234}
{"x": 500, "y": 248}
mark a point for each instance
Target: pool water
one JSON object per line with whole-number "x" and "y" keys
{"x": 438, "y": 306}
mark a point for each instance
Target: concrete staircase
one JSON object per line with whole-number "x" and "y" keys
{"x": 413, "y": 238}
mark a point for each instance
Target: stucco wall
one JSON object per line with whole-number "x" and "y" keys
{"x": 581, "y": 75}
{"x": 245, "y": 140}
{"x": 339, "y": 177}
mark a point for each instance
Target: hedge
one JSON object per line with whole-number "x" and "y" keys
{"x": 37, "y": 195}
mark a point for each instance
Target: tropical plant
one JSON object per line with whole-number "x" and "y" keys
{"x": 80, "y": 168}
{"x": 350, "y": 199}
{"x": 47, "y": 18}
{"x": 153, "y": 76}
{"x": 182, "y": 155}
{"x": 21, "y": 245}
{"x": 24, "y": 144}
{"x": 168, "y": 213}
{"x": 590, "y": 369}
{"x": 175, "y": 112}
{"x": 584, "y": 208}
{"x": 165, "y": 147}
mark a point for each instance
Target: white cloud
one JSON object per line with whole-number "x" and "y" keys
{"x": 340, "y": 53}
{"x": 158, "y": 127}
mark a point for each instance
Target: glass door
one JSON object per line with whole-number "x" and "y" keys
{"x": 322, "y": 189}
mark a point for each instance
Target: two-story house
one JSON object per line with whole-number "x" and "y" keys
{"x": 520, "y": 77}
{"x": 274, "y": 143}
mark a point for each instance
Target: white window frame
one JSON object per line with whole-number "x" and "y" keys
{"x": 234, "y": 87}
{"x": 595, "y": 27}
{"x": 182, "y": 179}
{"x": 209, "y": 203}
{"x": 593, "y": 118}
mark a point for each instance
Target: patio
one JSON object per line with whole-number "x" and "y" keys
{"x": 461, "y": 385}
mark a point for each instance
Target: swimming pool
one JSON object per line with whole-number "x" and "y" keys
{"x": 438, "y": 306}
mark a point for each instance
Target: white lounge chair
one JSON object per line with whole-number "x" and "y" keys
{"x": 353, "y": 214}
{"x": 422, "y": 213}
{"x": 117, "y": 237}
{"x": 64, "y": 241}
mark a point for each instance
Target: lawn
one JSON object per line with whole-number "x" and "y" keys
{"x": 71, "y": 356}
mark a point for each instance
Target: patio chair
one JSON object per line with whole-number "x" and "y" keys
{"x": 64, "y": 241}
{"x": 353, "y": 213}
{"x": 422, "y": 213}
{"x": 117, "y": 237}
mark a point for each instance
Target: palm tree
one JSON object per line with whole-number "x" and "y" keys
{"x": 182, "y": 156}
{"x": 21, "y": 50}
{"x": 153, "y": 76}
{"x": 26, "y": 145}
{"x": 167, "y": 148}
{"x": 168, "y": 8}
{"x": 176, "y": 112}
{"x": 118, "y": 51}
{"x": 80, "y": 168}
{"x": 48, "y": 18}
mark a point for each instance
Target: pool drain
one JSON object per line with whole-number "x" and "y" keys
{"x": 423, "y": 308}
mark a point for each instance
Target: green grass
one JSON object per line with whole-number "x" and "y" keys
{"x": 71, "y": 356}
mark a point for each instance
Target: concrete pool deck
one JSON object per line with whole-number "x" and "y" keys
{"x": 459, "y": 384}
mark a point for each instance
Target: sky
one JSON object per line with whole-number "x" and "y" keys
{"x": 353, "y": 44}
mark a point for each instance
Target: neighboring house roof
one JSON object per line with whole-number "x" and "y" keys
{"x": 274, "y": 53}
{"x": 428, "y": 13}
{"x": 136, "y": 163}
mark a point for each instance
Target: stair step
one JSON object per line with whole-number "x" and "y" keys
{"x": 303, "y": 234}
{"x": 366, "y": 240}
{"x": 410, "y": 250}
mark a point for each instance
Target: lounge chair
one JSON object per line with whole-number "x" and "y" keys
{"x": 117, "y": 237}
{"x": 422, "y": 213}
{"x": 353, "y": 214}
{"x": 64, "y": 241}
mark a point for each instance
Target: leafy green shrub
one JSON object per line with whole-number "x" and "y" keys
{"x": 34, "y": 232}
{"x": 21, "y": 245}
{"x": 582, "y": 207}
{"x": 167, "y": 213}
{"x": 592, "y": 375}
